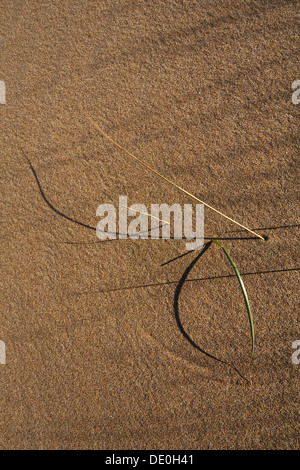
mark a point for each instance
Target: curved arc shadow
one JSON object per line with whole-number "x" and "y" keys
{"x": 177, "y": 315}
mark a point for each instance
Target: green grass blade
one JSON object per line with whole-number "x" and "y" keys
{"x": 243, "y": 290}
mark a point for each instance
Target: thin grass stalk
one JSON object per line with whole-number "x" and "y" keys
{"x": 243, "y": 291}
{"x": 169, "y": 181}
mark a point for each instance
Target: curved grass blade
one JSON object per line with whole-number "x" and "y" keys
{"x": 243, "y": 290}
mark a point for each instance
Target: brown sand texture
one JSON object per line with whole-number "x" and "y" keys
{"x": 104, "y": 339}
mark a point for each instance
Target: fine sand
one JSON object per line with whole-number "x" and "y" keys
{"x": 103, "y": 339}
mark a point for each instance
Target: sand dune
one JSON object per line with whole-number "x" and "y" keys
{"x": 96, "y": 332}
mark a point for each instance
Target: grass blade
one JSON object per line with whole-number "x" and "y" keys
{"x": 243, "y": 290}
{"x": 169, "y": 181}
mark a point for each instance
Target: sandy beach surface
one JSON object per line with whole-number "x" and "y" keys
{"x": 108, "y": 342}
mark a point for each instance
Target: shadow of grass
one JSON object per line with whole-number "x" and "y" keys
{"x": 177, "y": 314}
